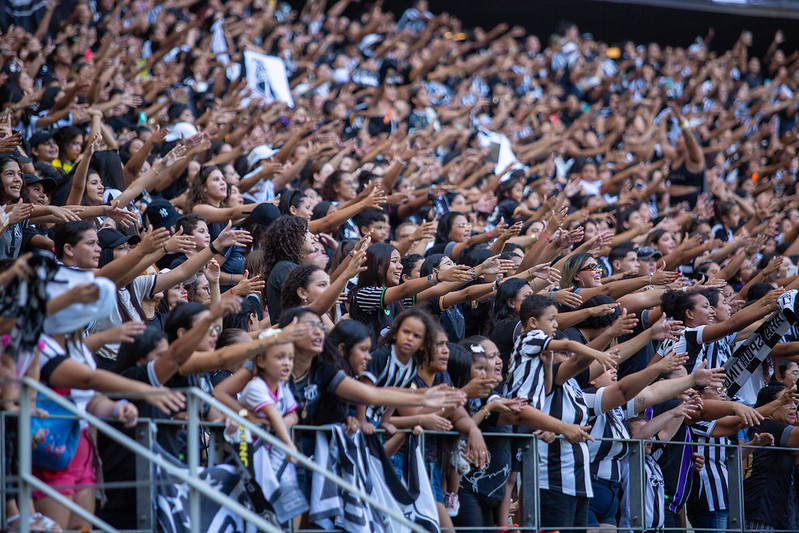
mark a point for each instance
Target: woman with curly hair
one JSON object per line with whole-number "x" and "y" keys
{"x": 285, "y": 244}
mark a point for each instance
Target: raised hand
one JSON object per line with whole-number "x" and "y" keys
{"x": 249, "y": 285}
{"x": 212, "y": 271}
{"x": 154, "y": 240}
{"x": 123, "y": 217}
{"x": 713, "y": 377}
{"x": 356, "y": 264}
{"x": 607, "y": 360}
{"x": 671, "y": 362}
{"x": 232, "y": 237}
{"x": 180, "y": 243}
{"x": 21, "y": 211}
{"x": 458, "y": 273}
{"x": 165, "y": 400}
{"x": 443, "y": 396}
{"x": 667, "y": 329}
{"x": 573, "y": 300}
{"x": 227, "y": 305}
{"x": 125, "y": 332}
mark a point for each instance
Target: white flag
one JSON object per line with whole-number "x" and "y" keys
{"x": 266, "y": 76}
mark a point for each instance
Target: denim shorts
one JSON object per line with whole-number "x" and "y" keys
{"x": 436, "y": 480}
{"x": 604, "y": 506}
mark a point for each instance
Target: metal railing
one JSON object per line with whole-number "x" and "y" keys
{"x": 194, "y": 396}
{"x": 145, "y": 459}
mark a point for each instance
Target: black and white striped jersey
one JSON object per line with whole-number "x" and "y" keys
{"x": 386, "y": 370}
{"x": 711, "y": 491}
{"x": 565, "y": 466}
{"x": 606, "y": 456}
{"x": 654, "y": 494}
{"x": 691, "y": 343}
{"x": 718, "y": 352}
{"x": 526, "y": 372}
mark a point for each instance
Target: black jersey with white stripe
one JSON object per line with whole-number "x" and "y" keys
{"x": 386, "y": 370}
{"x": 564, "y": 466}
{"x": 691, "y": 343}
{"x": 710, "y": 494}
{"x": 606, "y": 456}
{"x": 526, "y": 372}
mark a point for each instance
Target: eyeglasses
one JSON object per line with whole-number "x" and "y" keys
{"x": 595, "y": 267}
{"x": 794, "y": 372}
{"x": 215, "y": 330}
{"x": 321, "y": 325}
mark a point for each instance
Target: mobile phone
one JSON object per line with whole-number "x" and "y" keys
{"x": 791, "y": 271}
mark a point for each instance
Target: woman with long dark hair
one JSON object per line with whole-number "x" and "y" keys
{"x": 377, "y": 298}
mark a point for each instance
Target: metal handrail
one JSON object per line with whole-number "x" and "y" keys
{"x": 199, "y": 487}
{"x": 735, "y": 504}
{"x": 304, "y": 461}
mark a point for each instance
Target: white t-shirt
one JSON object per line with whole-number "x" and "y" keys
{"x": 257, "y": 395}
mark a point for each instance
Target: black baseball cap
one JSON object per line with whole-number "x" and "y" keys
{"x": 111, "y": 238}
{"x": 49, "y": 184}
{"x": 161, "y": 213}
{"x": 40, "y": 137}
{"x": 265, "y": 214}
{"x": 649, "y": 253}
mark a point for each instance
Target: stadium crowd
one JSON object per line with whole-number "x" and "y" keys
{"x": 446, "y": 229}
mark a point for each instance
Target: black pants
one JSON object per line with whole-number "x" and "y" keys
{"x": 476, "y": 511}
{"x": 561, "y": 510}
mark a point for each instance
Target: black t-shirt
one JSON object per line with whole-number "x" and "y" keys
{"x": 491, "y": 482}
{"x": 767, "y": 486}
{"x": 168, "y": 436}
{"x": 502, "y": 336}
{"x": 477, "y": 317}
{"x": 431, "y": 442}
{"x": 641, "y": 358}
{"x": 329, "y": 408}
{"x": 274, "y": 287}
{"x": 450, "y": 319}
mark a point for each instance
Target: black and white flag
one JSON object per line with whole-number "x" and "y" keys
{"x": 754, "y": 350}
{"x": 172, "y": 499}
{"x": 361, "y": 461}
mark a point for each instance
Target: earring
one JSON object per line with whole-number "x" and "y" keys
{"x": 305, "y": 300}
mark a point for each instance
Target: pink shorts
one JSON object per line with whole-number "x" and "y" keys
{"x": 79, "y": 471}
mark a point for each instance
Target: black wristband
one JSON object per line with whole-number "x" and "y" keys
{"x": 213, "y": 249}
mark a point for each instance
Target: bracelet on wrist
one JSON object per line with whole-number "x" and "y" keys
{"x": 117, "y": 406}
{"x": 213, "y": 249}
{"x": 485, "y": 411}
{"x": 430, "y": 279}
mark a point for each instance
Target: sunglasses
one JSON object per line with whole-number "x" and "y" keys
{"x": 595, "y": 267}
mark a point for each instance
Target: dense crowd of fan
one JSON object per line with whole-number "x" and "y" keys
{"x": 446, "y": 229}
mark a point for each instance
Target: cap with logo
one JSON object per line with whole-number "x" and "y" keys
{"x": 161, "y": 213}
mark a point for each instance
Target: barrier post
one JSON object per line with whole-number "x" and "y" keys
{"x": 193, "y": 443}
{"x": 529, "y": 498}
{"x": 25, "y": 451}
{"x": 144, "y": 489}
{"x": 735, "y": 495}
{"x": 637, "y": 481}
